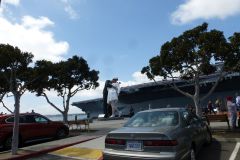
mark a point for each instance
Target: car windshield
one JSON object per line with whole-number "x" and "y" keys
{"x": 154, "y": 119}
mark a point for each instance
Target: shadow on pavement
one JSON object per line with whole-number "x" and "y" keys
{"x": 211, "y": 152}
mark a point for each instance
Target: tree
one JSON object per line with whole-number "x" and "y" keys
{"x": 66, "y": 78}
{"x": 14, "y": 68}
{"x": 193, "y": 54}
{"x": 4, "y": 89}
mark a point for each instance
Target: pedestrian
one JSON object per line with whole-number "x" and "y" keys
{"x": 210, "y": 107}
{"x": 190, "y": 108}
{"x": 131, "y": 111}
{"x": 238, "y": 101}
{"x": 218, "y": 105}
{"x": 232, "y": 111}
{"x": 105, "y": 95}
{"x": 112, "y": 97}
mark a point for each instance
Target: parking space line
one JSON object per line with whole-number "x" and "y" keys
{"x": 235, "y": 151}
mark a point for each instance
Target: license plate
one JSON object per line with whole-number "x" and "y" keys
{"x": 134, "y": 145}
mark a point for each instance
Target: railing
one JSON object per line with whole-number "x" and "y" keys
{"x": 79, "y": 123}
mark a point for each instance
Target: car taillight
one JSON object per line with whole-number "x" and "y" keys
{"x": 160, "y": 143}
{"x": 115, "y": 141}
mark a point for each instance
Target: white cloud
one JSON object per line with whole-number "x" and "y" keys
{"x": 42, "y": 22}
{"x": 4, "y": 6}
{"x": 5, "y": 3}
{"x": 32, "y": 35}
{"x": 12, "y": 2}
{"x": 69, "y": 10}
{"x": 205, "y": 9}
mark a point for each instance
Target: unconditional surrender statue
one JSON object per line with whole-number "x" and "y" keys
{"x": 106, "y": 108}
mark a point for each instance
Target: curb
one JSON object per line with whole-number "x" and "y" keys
{"x": 44, "y": 151}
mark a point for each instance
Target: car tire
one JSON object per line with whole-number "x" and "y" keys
{"x": 61, "y": 133}
{"x": 8, "y": 143}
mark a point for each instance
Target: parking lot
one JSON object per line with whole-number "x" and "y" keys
{"x": 225, "y": 145}
{"x": 218, "y": 150}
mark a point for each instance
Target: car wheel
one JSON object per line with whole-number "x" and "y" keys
{"x": 61, "y": 133}
{"x": 8, "y": 143}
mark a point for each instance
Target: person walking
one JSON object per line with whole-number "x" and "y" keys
{"x": 105, "y": 96}
{"x": 210, "y": 107}
{"x": 131, "y": 111}
{"x": 238, "y": 101}
{"x": 112, "y": 98}
{"x": 232, "y": 111}
{"x": 218, "y": 105}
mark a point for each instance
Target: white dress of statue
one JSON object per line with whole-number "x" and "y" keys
{"x": 112, "y": 98}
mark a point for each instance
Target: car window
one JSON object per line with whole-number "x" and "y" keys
{"x": 154, "y": 119}
{"x": 29, "y": 119}
{"x": 40, "y": 119}
{"x": 11, "y": 119}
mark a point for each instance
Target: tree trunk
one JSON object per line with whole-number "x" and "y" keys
{"x": 15, "y": 137}
{"x": 197, "y": 106}
{"x": 196, "y": 97}
{"x": 66, "y": 108}
{"x": 65, "y": 116}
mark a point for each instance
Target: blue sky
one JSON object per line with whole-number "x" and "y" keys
{"x": 116, "y": 37}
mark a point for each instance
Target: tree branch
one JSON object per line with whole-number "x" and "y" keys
{"x": 6, "y": 107}
{"x": 76, "y": 90}
{"x": 222, "y": 74}
{"x": 181, "y": 91}
{"x": 1, "y": 100}
{"x": 174, "y": 86}
{"x": 54, "y": 106}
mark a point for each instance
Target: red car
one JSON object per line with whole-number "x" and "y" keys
{"x": 32, "y": 127}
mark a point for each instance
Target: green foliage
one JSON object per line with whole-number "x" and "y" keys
{"x": 234, "y": 59}
{"x": 4, "y": 87}
{"x": 14, "y": 67}
{"x": 64, "y": 75}
{"x": 194, "y": 53}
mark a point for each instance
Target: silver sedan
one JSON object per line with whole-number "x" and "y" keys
{"x": 167, "y": 133}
